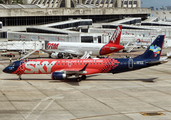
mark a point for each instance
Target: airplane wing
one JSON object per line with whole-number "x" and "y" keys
{"x": 76, "y": 71}
{"x": 65, "y": 51}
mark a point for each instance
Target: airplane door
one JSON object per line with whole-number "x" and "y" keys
{"x": 130, "y": 63}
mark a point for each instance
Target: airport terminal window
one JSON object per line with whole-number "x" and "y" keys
{"x": 88, "y": 2}
{"x": 88, "y": 39}
{"x": 97, "y": 2}
{"x": 130, "y": 2}
{"x": 3, "y": 35}
{"x": 102, "y": 2}
{"x": 125, "y": 2}
{"x": 135, "y": 2}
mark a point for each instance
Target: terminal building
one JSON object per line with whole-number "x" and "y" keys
{"x": 37, "y": 12}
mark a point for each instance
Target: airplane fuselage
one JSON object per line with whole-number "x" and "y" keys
{"x": 80, "y": 48}
{"x": 94, "y": 65}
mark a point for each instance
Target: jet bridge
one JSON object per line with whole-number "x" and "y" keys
{"x": 21, "y": 45}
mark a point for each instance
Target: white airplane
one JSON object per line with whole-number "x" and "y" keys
{"x": 70, "y": 49}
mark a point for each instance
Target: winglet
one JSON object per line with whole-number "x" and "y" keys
{"x": 84, "y": 67}
{"x": 115, "y": 39}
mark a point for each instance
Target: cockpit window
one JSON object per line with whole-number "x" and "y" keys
{"x": 12, "y": 64}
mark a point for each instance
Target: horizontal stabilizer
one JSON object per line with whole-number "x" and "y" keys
{"x": 156, "y": 62}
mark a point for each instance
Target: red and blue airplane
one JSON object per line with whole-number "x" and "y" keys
{"x": 61, "y": 69}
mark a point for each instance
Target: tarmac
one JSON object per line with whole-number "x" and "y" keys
{"x": 138, "y": 95}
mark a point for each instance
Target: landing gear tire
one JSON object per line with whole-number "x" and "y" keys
{"x": 83, "y": 77}
{"x": 78, "y": 79}
{"x": 19, "y": 78}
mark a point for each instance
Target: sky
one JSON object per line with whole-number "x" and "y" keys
{"x": 155, "y": 3}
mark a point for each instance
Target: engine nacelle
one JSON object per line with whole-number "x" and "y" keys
{"x": 58, "y": 76}
{"x": 56, "y": 55}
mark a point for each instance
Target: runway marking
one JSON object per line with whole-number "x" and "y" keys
{"x": 44, "y": 109}
{"x": 152, "y": 114}
{"x": 48, "y": 98}
{"x": 118, "y": 114}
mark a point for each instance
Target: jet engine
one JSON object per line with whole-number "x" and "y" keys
{"x": 57, "y": 55}
{"x": 58, "y": 76}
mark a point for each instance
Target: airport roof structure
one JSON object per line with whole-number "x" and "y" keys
{"x": 17, "y": 6}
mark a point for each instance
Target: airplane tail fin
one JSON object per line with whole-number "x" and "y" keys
{"x": 115, "y": 39}
{"x": 154, "y": 50}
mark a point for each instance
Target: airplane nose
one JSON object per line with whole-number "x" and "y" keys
{"x": 5, "y": 70}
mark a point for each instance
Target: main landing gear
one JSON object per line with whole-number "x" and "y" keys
{"x": 19, "y": 77}
{"x": 79, "y": 79}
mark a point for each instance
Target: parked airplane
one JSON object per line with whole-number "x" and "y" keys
{"x": 137, "y": 44}
{"x": 61, "y": 69}
{"x": 69, "y": 49}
